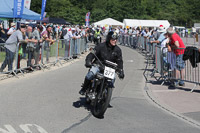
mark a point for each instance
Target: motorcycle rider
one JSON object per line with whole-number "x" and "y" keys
{"x": 96, "y": 34}
{"x": 106, "y": 51}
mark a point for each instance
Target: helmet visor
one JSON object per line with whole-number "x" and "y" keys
{"x": 114, "y": 37}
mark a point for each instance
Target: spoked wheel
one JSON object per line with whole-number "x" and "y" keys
{"x": 101, "y": 104}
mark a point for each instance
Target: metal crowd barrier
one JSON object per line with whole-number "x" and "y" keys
{"x": 172, "y": 68}
{"x": 187, "y": 71}
{"x": 11, "y": 60}
{"x": 45, "y": 54}
{"x": 166, "y": 62}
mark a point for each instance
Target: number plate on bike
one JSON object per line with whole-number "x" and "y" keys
{"x": 109, "y": 72}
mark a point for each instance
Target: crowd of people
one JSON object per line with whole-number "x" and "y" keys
{"x": 32, "y": 37}
{"x": 171, "y": 44}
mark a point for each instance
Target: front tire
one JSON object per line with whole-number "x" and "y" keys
{"x": 101, "y": 105}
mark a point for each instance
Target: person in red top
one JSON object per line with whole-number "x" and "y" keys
{"x": 178, "y": 47}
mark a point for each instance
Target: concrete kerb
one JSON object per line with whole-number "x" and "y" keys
{"x": 155, "y": 101}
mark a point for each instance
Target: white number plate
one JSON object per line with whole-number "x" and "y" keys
{"x": 109, "y": 72}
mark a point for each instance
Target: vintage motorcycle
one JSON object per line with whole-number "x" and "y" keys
{"x": 99, "y": 92}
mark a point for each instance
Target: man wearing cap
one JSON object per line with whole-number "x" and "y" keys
{"x": 12, "y": 29}
{"x": 10, "y": 48}
{"x": 160, "y": 35}
{"x": 106, "y": 51}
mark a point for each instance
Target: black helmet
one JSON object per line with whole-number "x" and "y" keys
{"x": 111, "y": 35}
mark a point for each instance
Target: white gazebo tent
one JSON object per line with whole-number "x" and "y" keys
{"x": 108, "y": 22}
{"x": 146, "y": 23}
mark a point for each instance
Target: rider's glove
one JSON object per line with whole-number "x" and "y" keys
{"x": 88, "y": 64}
{"x": 121, "y": 74}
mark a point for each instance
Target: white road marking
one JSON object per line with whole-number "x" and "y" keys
{"x": 40, "y": 129}
{"x": 9, "y": 129}
{"x": 24, "y": 127}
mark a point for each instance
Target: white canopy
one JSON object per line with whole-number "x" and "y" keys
{"x": 146, "y": 23}
{"x": 108, "y": 21}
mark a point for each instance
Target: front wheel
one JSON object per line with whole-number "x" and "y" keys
{"x": 101, "y": 104}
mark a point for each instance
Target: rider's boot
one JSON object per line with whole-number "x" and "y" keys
{"x": 84, "y": 86}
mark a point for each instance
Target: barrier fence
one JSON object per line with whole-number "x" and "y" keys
{"x": 167, "y": 65}
{"x": 43, "y": 54}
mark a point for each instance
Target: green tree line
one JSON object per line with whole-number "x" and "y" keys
{"x": 178, "y": 12}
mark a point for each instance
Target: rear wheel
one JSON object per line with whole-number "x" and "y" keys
{"x": 101, "y": 104}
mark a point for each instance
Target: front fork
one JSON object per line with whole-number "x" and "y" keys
{"x": 99, "y": 96}
{"x": 95, "y": 84}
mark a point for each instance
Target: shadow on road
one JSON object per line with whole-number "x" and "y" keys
{"x": 82, "y": 103}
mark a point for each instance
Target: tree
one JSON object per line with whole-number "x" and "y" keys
{"x": 178, "y": 12}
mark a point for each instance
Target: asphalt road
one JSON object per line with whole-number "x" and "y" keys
{"x": 48, "y": 102}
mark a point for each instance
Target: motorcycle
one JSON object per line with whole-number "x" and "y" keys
{"x": 98, "y": 39}
{"x": 99, "y": 92}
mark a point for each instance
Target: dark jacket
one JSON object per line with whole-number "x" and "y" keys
{"x": 192, "y": 53}
{"x": 106, "y": 52}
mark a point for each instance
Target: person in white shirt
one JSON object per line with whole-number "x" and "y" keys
{"x": 67, "y": 42}
{"x": 12, "y": 29}
{"x": 164, "y": 44}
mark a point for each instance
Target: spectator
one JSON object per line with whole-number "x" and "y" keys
{"x": 130, "y": 31}
{"x": 62, "y": 34}
{"x": 186, "y": 32}
{"x": 67, "y": 42}
{"x": 164, "y": 48}
{"x": 10, "y": 48}
{"x": 134, "y": 36}
{"x": 147, "y": 34}
{"x": 30, "y": 47}
{"x": 37, "y": 36}
{"x": 176, "y": 43}
{"x": 3, "y": 35}
{"x": 74, "y": 47}
{"x": 12, "y": 29}
{"x": 194, "y": 31}
{"x": 160, "y": 35}
{"x": 47, "y": 36}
